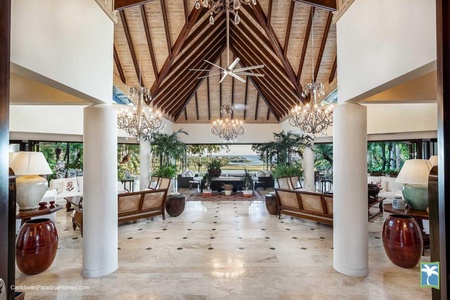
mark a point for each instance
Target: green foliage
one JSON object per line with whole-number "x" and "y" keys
{"x": 323, "y": 157}
{"x": 386, "y": 157}
{"x": 169, "y": 171}
{"x": 287, "y": 171}
{"x": 168, "y": 147}
{"x": 215, "y": 163}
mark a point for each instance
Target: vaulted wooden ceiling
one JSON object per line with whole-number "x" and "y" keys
{"x": 157, "y": 42}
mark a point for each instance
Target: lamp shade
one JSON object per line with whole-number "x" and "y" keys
{"x": 415, "y": 171}
{"x": 29, "y": 163}
{"x": 434, "y": 160}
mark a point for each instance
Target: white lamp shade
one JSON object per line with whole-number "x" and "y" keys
{"x": 415, "y": 171}
{"x": 29, "y": 163}
{"x": 434, "y": 160}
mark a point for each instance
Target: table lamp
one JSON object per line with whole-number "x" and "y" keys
{"x": 414, "y": 176}
{"x": 30, "y": 186}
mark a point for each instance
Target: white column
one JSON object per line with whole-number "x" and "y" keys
{"x": 350, "y": 207}
{"x": 308, "y": 169}
{"x": 100, "y": 241}
{"x": 145, "y": 164}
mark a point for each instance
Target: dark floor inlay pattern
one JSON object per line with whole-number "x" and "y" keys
{"x": 213, "y": 229}
{"x": 164, "y": 229}
{"x": 240, "y": 237}
{"x": 179, "y": 248}
{"x": 272, "y": 248}
{"x": 322, "y": 238}
{"x": 75, "y": 238}
{"x": 66, "y": 229}
{"x": 312, "y": 229}
{"x": 294, "y": 237}
{"x": 184, "y": 237}
{"x": 139, "y": 229}
{"x": 288, "y": 229}
{"x": 148, "y": 248}
{"x": 263, "y": 229}
{"x": 118, "y": 248}
{"x": 189, "y": 229}
{"x": 157, "y": 238}
{"x": 303, "y": 248}
{"x": 267, "y": 238}
{"x": 130, "y": 238}
{"x": 210, "y": 248}
{"x": 212, "y": 238}
{"x": 377, "y": 237}
{"x": 241, "y": 248}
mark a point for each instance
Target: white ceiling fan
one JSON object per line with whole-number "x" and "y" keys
{"x": 230, "y": 70}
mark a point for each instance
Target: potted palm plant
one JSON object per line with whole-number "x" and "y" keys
{"x": 227, "y": 188}
{"x": 214, "y": 167}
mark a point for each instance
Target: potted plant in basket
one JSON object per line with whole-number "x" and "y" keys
{"x": 214, "y": 167}
{"x": 228, "y": 188}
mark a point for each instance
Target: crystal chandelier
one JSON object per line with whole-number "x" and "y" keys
{"x": 228, "y": 129}
{"x": 312, "y": 118}
{"x": 215, "y": 6}
{"x": 140, "y": 122}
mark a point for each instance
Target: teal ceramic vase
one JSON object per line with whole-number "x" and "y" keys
{"x": 416, "y": 196}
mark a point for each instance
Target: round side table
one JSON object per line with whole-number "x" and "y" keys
{"x": 272, "y": 204}
{"x": 175, "y": 204}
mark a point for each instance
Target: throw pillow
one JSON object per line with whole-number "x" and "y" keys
{"x": 70, "y": 185}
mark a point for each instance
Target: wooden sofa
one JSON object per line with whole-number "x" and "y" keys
{"x": 141, "y": 204}
{"x": 308, "y": 205}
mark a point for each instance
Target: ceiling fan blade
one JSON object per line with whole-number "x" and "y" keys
{"x": 248, "y": 68}
{"x": 209, "y": 75}
{"x": 237, "y": 77}
{"x": 251, "y": 74}
{"x": 214, "y": 65}
{"x": 200, "y": 70}
{"x": 234, "y": 64}
{"x": 223, "y": 77}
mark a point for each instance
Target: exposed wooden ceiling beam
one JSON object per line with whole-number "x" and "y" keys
{"x": 122, "y": 4}
{"x": 220, "y": 90}
{"x": 268, "y": 113}
{"x": 149, "y": 41}
{"x": 262, "y": 20}
{"x": 130, "y": 45}
{"x": 333, "y": 70}
{"x": 186, "y": 11}
{"x": 196, "y": 106}
{"x": 269, "y": 12}
{"x": 209, "y": 98}
{"x": 322, "y": 45}
{"x": 191, "y": 60}
{"x": 257, "y": 107}
{"x": 166, "y": 27}
{"x": 185, "y": 113}
{"x": 264, "y": 98}
{"x": 179, "y": 43}
{"x": 245, "y": 98}
{"x": 305, "y": 43}
{"x": 119, "y": 66}
{"x": 324, "y": 4}
{"x": 288, "y": 27}
{"x": 174, "y": 102}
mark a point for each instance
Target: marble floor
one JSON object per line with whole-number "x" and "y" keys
{"x": 222, "y": 250}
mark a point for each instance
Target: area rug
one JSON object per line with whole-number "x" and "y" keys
{"x": 216, "y": 196}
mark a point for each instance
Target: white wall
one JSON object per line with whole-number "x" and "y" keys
{"x": 381, "y": 42}
{"x": 67, "y": 43}
{"x": 201, "y": 133}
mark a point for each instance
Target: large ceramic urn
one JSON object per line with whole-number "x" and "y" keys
{"x": 36, "y": 246}
{"x": 402, "y": 240}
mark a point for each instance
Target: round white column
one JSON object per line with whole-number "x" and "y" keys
{"x": 100, "y": 256}
{"x": 145, "y": 164}
{"x": 308, "y": 169}
{"x": 350, "y": 207}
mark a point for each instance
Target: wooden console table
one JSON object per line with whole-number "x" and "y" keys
{"x": 76, "y": 201}
{"x": 26, "y": 215}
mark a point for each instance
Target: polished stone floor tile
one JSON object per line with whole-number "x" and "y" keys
{"x": 226, "y": 250}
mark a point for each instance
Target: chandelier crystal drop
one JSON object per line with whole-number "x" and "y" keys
{"x": 140, "y": 122}
{"x": 215, "y": 6}
{"x": 228, "y": 129}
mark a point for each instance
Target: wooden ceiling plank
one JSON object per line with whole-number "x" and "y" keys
{"x": 257, "y": 107}
{"x": 166, "y": 27}
{"x": 149, "y": 41}
{"x": 185, "y": 114}
{"x": 250, "y": 27}
{"x": 269, "y": 71}
{"x": 179, "y": 43}
{"x": 195, "y": 62}
{"x": 119, "y": 66}
{"x": 333, "y": 71}
{"x": 120, "y": 5}
{"x": 322, "y": 45}
{"x": 190, "y": 56}
{"x": 173, "y": 104}
{"x": 262, "y": 20}
{"x": 245, "y": 98}
{"x": 130, "y": 45}
{"x": 288, "y": 27}
{"x": 324, "y": 4}
{"x": 305, "y": 43}
{"x": 268, "y": 113}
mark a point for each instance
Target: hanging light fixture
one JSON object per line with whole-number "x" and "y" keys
{"x": 228, "y": 129}
{"x": 140, "y": 122}
{"x": 311, "y": 117}
{"x": 215, "y": 6}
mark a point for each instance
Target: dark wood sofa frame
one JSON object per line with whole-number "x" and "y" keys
{"x": 142, "y": 204}
{"x": 308, "y": 205}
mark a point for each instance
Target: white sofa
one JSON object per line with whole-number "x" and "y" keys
{"x": 390, "y": 188}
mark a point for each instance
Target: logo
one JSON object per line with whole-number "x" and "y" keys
{"x": 429, "y": 274}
